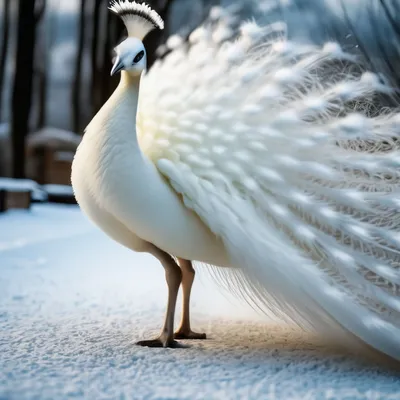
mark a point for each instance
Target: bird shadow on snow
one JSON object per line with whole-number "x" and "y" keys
{"x": 230, "y": 343}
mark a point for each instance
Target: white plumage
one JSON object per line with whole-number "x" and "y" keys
{"x": 260, "y": 154}
{"x": 139, "y": 19}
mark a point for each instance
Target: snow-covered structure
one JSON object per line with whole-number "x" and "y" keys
{"x": 49, "y": 155}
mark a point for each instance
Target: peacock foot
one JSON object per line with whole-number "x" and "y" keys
{"x": 164, "y": 340}
{"x": 159, "y": 342}
{"x": 189, "y": 334}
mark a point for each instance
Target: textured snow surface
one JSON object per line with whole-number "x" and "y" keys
{"x": 72, "y": 304}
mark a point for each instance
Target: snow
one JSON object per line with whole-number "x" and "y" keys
{"x": 18, "y": 185}
{"x": 58, "y": 190}
{"x": 26, "y": 185}
{"x": 72, "y": 304}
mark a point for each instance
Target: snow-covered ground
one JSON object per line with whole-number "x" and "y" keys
{"x": 72, "y": 304}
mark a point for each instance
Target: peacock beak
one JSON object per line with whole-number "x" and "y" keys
{"x": 117, "y": 67}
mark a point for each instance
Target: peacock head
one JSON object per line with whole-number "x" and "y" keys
{"x": 139, "y": 20}
{"x": 130, "y": 57}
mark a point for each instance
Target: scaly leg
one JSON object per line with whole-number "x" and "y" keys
{"x": 173, "y": 275}
{"x": 184, "y": 331}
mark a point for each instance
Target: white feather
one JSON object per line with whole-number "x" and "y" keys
{"x": 263, "y": 155}
{"x": 139, "y": 19}
{"x": 284, "y": 173}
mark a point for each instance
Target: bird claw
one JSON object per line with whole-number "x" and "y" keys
{"x": 162, "y": 341}
{"x": 183, "y": 334}
{"x": 159, "y": 342}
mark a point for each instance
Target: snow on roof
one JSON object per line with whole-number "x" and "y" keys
{"x": 58, "y": 190}
{"x": 54, "y": 138}
{"x": 18, "y": 185}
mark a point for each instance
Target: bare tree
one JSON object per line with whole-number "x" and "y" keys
{"x": 23, "y": 79}
{"x": 77, "y": 86}
{"x": 42, "y": 63}
{"x": 4, "y": 46}
{"x": 114, "y": 32}
{"x": 96, "y": 39}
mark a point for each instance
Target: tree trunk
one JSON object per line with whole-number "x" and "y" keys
{"x": 23, "y": 79}
{"x": 4, "y": 47}
{"x": 96, "y": 73}
{"x": 76, "y": 91}
{"x": 114, "y": 31}
{"x": 42, "y": 65}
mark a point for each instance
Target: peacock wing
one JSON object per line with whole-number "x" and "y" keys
{"x": 283, "y": 151}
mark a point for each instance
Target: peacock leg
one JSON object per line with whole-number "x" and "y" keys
{"x": 184, "y": 331}
{"x": 173, "y": 275}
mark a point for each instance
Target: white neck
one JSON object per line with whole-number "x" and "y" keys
{"x": 118, "y": 113}
{"x": 128, "y": 81}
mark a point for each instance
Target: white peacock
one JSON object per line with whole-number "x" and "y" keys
{"x": 253, "y": 155}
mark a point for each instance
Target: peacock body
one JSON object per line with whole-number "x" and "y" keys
{"x": 259, "y": 153}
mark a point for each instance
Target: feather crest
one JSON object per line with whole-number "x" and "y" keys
{"x": 139, "y": 19}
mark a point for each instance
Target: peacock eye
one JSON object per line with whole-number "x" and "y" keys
{"x": 138, "y": 57}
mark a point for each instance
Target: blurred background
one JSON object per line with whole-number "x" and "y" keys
{"x": 55, "y": 62}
